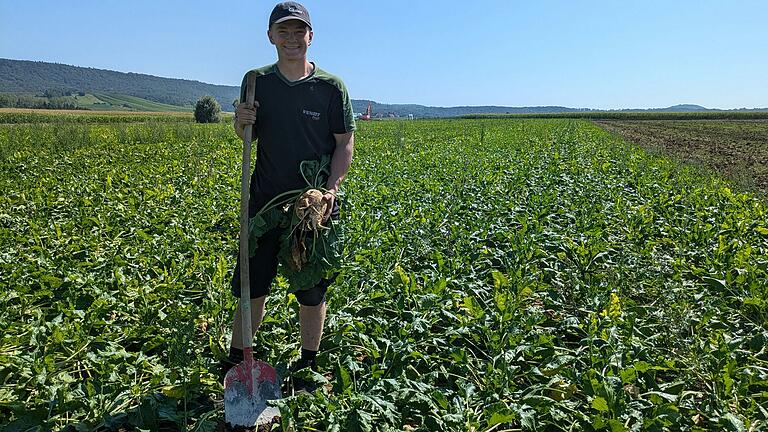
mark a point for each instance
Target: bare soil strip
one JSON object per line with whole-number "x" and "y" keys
{"x": 736, "y": 149}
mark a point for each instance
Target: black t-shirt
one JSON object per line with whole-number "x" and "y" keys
{"x": 295, "y": 122}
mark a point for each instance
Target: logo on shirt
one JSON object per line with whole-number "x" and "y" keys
{"x": 314, "y": 115}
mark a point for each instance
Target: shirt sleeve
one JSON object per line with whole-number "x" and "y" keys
{"x": 242, "y": 89}
{"x": 342, "y": 118}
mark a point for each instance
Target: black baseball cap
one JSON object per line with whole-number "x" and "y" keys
{"x": 288, "y": 11}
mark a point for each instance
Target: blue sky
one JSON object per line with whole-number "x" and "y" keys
{"x": 596, "y": 54}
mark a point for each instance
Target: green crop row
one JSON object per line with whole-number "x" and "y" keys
{"x": 11, "y": 116}
{"x": 499, "y": 275}
{"x": 630, "y": 115}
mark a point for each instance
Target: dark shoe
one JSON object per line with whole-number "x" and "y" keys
{"x": 233, "y": 359}
{"x": 298, "y": 384}
{"x": 224, "y": 366}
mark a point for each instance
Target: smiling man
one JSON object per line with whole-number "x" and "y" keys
{"x": 301, "y": 113}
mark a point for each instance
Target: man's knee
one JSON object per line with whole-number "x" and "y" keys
{"x": 313, "y": 296}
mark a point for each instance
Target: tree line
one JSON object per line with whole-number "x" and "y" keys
{"x": 36, "y": 102}
{"x": 32, "y": 77}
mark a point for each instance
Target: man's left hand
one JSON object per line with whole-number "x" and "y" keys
{"x": 329, "y": 197}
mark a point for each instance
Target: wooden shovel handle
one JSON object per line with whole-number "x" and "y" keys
{"x": 245, "y": 283}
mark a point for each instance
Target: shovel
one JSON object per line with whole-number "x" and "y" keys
{"x": 250, "y": 384}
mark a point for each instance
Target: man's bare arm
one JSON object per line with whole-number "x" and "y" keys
{"x": 340, "y": 163}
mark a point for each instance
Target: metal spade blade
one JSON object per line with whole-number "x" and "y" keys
{"x": 247, "y": 388}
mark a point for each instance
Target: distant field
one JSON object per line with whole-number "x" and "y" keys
{"x": 89, "y": 101}
{"x": 123, "y": 102}
{"x": 594, "y": 115}
{"x": 736, "y": 149}
{"x": 20, "y": 115}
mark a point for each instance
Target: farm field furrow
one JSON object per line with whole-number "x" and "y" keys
{"x": 500, "y": 274}
{"x": 736, "y": 149}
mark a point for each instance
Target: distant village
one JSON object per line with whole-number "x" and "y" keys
{"x": 370, "y": 115}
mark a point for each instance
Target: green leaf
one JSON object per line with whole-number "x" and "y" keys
{"x": 657, "y": 396}
{"x": 498, "y": 418}
{"x": 499, "y": 280}
{"x": 52, "y": 281}
{"x": 628, "y": 375}
{"x": 27, "y": 422}
{"x": 148, "y": 414}
{"x": 176, "y": 391}
{"x": 527, "y": 418}
{"x": 343, "y": 381}
{"x": 616, "y": 426}
{"x": 599, "y": 403}
{"x": 500, "y": 299}
{"x": 732, "y": 423}
{"x": 537, "y": 401}
{"x": 359, "y": 421}
{"x": 642, "y": 366}
{"x": 440, "y": 398}
{"x": 717, "y": 284}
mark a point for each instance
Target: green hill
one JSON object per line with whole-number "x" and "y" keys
{"x": 64, "y": 86}
{"x": 37, "y": 78}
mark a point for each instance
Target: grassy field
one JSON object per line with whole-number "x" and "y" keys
{"x": 123, "y": 102}
{"x": 99, "y": 102}
{"x": 500, "y": 275}
{"x": 628, "y": 115}
{"x": 736, "y": 149}
{"x": 37, "y": 116}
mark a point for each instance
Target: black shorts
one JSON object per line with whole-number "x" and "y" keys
{"x": 262, "y": 268}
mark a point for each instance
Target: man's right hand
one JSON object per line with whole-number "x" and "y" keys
{"x": 245, "y": 115}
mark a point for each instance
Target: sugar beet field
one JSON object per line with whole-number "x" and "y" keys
{"x": 500, "y": 275}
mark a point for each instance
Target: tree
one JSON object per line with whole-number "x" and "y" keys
{"x": 207, "y": 110}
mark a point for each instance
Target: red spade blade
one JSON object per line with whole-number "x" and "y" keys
{"x": 247, "y": 388}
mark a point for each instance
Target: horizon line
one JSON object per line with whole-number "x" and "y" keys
{"x": 418, "y": 104}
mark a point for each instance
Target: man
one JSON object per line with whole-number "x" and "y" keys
{"x": 301, "y": 113}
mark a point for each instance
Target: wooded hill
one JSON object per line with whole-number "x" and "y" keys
{"x": 35, "y": 84}
{"x": 56, "y": 80}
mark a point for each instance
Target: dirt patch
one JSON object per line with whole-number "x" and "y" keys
{"x": 736, "y": 149}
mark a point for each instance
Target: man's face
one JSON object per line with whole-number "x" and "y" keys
{"x": 291, "y": 38}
